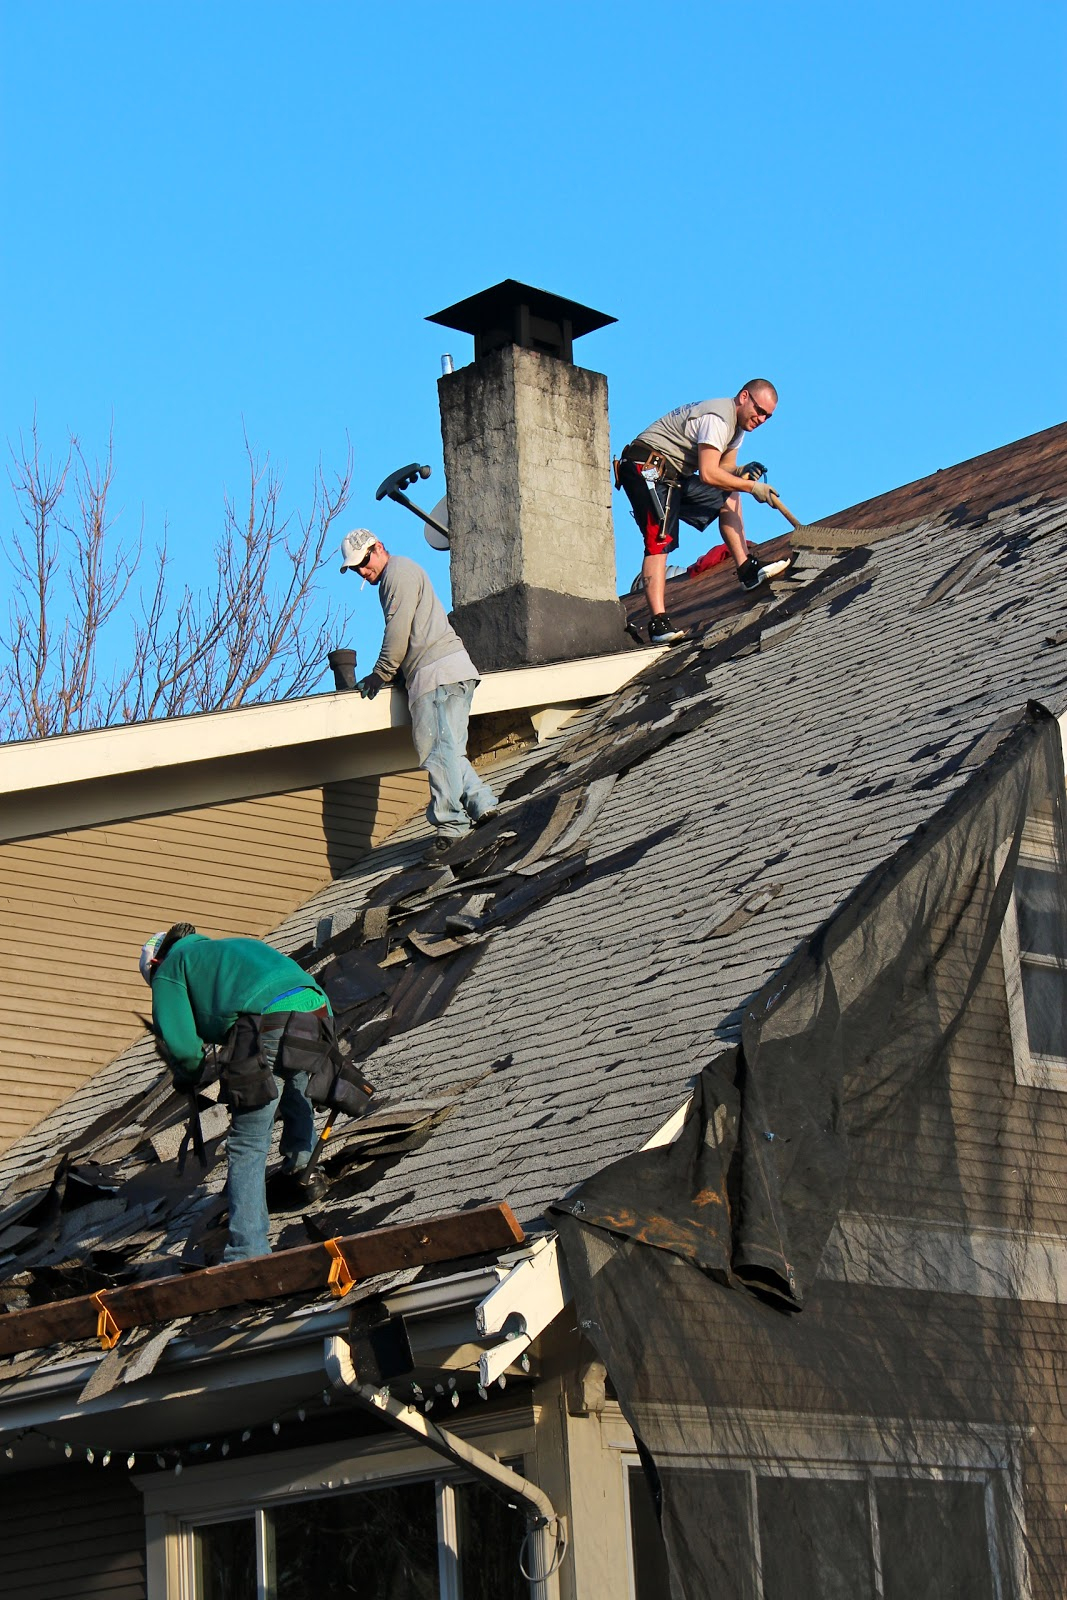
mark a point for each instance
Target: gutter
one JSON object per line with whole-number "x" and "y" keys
{"x": 505, "y": 1307}
{"x": 546, "y": 1537}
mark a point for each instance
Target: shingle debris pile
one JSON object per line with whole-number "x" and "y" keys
{"x": 539, "y": 1003}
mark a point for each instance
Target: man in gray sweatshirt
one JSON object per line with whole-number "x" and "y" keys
{"x": 422, "y": 647}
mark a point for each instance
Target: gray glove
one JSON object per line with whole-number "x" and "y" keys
{"x": 764, "y": 493}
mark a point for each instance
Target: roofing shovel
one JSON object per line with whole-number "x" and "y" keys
{"x": 819, "y": 535}
{"x": 778, "y": 506}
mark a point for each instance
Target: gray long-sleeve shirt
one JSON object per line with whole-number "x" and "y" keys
{"x": 419, "y": 639}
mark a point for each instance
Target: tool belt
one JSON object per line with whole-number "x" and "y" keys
{"x": 642, "y": 457}
{"x": 308, "y": 1044}
{"x": 247, "y": 1082}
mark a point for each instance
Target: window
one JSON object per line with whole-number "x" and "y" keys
{"x": 838, "y": 1511}
{"x": 1034, "y": 943}
{"x": 423, "y": 1540}
{"x": 224, "y": 1560}
{"x": 648, "y": 1556}
{"x": 774, "y": 1536}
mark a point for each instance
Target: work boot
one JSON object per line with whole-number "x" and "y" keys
{"x": 750, "y": 574}
{"x": 661, "y": 630}
{"x": 438, "y": 848}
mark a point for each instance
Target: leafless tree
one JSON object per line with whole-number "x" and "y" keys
{"x": 258, "y": 632}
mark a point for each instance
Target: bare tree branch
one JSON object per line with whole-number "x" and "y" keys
{"x": 258, "y": 632}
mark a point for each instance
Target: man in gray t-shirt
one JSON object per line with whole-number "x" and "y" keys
{"x": 422, "y": 647}
{"x": 692, "y": 452}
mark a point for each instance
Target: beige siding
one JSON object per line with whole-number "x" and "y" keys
{"x": 968, "y": 1144}
{"x": 76, "y": 907}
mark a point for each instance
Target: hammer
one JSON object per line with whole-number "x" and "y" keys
{"x": 393, "y": 487}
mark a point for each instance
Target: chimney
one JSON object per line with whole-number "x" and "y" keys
{"x": 528, "y": 472}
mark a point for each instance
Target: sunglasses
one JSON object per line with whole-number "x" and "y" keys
{"x": 761, "y": 411}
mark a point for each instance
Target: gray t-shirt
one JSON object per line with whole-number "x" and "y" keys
{"x": 678, "y": 435}
{"x": 419, "y": 639}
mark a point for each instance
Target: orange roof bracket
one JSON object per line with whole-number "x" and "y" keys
{"x": 286, "y": 1272}
{"x": 340, "y": 1279}
{"x": 107, "y": 1329}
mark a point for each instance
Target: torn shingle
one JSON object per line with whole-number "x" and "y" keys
{"x": 750, "y": 907}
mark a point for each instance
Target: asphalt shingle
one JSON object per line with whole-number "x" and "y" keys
{"x": 814, "y": 752}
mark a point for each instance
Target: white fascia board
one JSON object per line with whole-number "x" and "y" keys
{"x": 939, "y": 1258}
{"x": 81, "y": 780}
{"x": 214, "y": 735}
{"x": 670, "y": 1129}
{"x": 533, "y": 1294}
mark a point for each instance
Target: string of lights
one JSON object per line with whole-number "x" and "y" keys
{"x": 176, "y": 1458}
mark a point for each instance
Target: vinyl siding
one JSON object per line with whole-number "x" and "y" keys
{"x": 71, "y": 1533}
{"x": 969, "y": 1145}
{"x": 76, "y": 907}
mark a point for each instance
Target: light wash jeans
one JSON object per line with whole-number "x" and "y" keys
{"x": 248, "y": 1147}
{"x": 439, "y": 720}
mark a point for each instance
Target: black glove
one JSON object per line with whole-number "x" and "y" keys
{"x": 368, "y": 687}
{"x": 752, "y": 469}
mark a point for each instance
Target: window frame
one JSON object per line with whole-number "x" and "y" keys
{"x": 250, "y": 1488}
{"x": 1033, "y": 1070}
{"x": 865, "y": 1449}
{"x": 448, "y": 1573}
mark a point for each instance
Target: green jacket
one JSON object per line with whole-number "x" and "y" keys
{"x": 203, "y": 984}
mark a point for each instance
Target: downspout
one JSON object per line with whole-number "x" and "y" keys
{"x": 546, "y": 1539}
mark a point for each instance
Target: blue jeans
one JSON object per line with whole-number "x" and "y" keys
{"x": 248, "y": 1147}
{"x": 439, "y": 720}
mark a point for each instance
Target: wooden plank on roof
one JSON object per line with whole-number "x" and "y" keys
{"x": 286, "y": 1272}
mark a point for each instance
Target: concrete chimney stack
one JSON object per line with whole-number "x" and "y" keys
{"x": 528, "y": 471}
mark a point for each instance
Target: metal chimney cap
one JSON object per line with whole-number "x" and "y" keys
{"x": 515, "y": 313}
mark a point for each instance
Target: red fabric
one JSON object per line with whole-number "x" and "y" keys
{"x": 706, "y": 562}
{"x": 657, "y": 541}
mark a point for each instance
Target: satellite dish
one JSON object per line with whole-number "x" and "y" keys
{"x": 434, "y": 537}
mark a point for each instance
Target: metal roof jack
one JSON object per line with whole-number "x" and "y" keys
{"x": 546, "y": 1538}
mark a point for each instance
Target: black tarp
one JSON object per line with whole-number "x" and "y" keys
{"x": 890, "y": 1425}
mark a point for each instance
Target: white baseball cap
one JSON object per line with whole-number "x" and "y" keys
{"x": 148, "y": 954}
{"x": 354, "y": 547}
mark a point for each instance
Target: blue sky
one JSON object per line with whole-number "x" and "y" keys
{"x": 236, "y": 215}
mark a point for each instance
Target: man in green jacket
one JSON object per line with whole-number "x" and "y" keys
{"x": 242, "y": 993}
